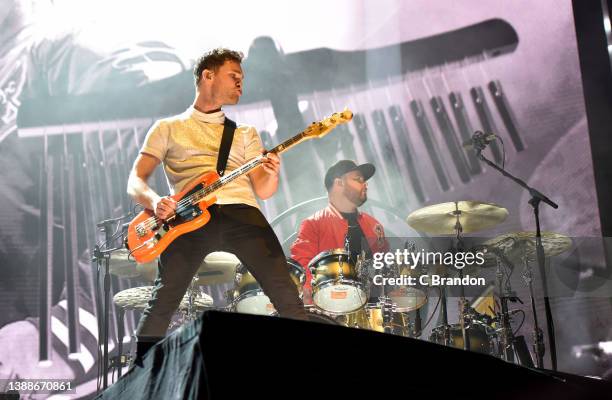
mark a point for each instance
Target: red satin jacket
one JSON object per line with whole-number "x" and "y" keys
{"x": 326, "y": 229}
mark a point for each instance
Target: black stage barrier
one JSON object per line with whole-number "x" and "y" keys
{"x": 238, "y": 356}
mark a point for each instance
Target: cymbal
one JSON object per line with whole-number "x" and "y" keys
{"x": 519, "y": 244}
{"x": 440, "y": 219}
{"x": 126, "y": 267}
{"x": 137, "y": 298}
{"x": 217, "y": 268}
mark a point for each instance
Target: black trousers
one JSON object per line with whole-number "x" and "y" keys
{"x": 235, "y": 228}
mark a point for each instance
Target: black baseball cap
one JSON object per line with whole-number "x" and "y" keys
{"x": 344, "y": 166}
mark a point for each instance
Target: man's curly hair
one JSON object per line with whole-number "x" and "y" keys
{"x": 214, "y": 59}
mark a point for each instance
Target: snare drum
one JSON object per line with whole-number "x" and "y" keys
{"x": 338, "y": 286}
{"x": 248, "y": 297}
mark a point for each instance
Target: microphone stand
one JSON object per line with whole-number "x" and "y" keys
{"x": 536, "y": 198}
{"x": 99, "y": 255}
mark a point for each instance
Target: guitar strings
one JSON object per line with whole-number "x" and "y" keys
{"x": 154, "y": 221}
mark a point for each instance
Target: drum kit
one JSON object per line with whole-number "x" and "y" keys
{"x": 341, "y": 291}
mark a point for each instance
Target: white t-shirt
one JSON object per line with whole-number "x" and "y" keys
{"x": 188, "y": 146}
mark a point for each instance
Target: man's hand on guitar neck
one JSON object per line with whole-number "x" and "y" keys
{"x": 271, "y": 164}
{"x": 265, "y": 179}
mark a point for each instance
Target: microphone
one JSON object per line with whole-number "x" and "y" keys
{"x": 479, "y": 140}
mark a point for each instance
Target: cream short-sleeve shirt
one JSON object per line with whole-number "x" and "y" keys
{"x": 188, "y": 145}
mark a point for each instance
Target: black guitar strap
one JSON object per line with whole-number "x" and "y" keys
{"x": 229, "y": 127}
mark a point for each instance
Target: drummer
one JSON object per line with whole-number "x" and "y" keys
{"x": 341, "y": 223}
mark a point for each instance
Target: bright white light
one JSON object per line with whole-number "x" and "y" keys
{"x": 45, "y": 363}
{"x": 303, "y": 105}
{"x": 606, "y": 347}
{"x": 74, "y": 356}
{"x": 607, "y": 25}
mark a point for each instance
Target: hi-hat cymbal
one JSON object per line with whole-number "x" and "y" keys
{"x": 217, "y": 268}
{"x": 441, "y": 219}
{"x": 123, "y": 266}
{"x": 522, "y": 244}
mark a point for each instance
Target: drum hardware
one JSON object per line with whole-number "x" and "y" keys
{"x": 522, "y": 246}
{"x": 538, "y": 334}
{"x": 462, "y": 301}
{"x": 456, "y": 218}
{"x": 102, "y": 255}
{"x": 540, "y": 255}
{"x": 193, "y": 292}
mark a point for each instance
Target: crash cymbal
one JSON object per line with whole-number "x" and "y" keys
{"x": 137, "y": 298}
{"x": 217, "y": 268}
{"x": 519, "y": 244}
{"x": 441, "y": 219}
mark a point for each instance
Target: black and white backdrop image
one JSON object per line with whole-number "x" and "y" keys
{"x": 82, "y": 82}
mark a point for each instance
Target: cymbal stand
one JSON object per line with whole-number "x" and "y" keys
{"x": 103, "y": 256}
{"x": 538, "y": 335}
{"x": 536, "y": 198}
{"x": 507, "y": 336}
{"x": 387, "y": 307}
{"x": 462, "y": 302}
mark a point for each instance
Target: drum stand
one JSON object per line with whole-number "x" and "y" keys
{"x": 507, "y": 336}
{"x": 462, "y": 302}
{"x": 102, "y": 256}
{"x": 534, "y": 202}
{"x": 538, "y": 334}
{"x": 192, "y": 292}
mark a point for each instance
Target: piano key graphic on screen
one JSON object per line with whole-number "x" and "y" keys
{"x": 430, "y": 142}
{"x": 506, "y": 113}
{"x": 450, "y": 137}
{"x": 364, "y": 136}
{"x": 486, "y": 120}
{"x": 465, "y": 129}
{"x": 401, "y": 132}
{"x": 390, "y": 159}
{"x": 346, "y": 141}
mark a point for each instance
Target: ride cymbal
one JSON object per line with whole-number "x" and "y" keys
{"x": 441, "y": 219}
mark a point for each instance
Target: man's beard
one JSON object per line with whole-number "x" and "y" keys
{"x": 355, "y": 197}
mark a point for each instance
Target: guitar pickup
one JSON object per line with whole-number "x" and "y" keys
{"x": 141, "y": 230}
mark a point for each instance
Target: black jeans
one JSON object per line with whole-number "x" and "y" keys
{"x": 235, "y": 228}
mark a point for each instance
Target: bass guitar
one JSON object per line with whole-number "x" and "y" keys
{"x": 148, "y": 236}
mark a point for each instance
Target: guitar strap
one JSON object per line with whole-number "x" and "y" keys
{"x": 229, "y": 127}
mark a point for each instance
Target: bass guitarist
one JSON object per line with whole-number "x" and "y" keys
{"x": 188, "y": 145}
